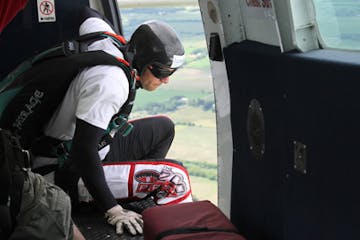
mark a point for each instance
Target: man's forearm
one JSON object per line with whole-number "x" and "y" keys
{"x": 84, "y": 154}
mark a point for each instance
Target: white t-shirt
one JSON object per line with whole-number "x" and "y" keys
{"x": 94, "y": 96}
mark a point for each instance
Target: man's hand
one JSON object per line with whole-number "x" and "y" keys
{"x": 120, "y": 217}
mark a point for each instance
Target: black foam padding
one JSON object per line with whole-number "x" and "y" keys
{"x": 93, "y": 225}
{"x": 140, "y": 205}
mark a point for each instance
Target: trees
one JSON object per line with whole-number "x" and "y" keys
{"x": 176, "y": 102}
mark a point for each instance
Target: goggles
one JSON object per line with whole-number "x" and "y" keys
{"x": 160, "y": 71}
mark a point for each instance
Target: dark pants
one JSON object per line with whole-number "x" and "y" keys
{"x": 150, "y": 138}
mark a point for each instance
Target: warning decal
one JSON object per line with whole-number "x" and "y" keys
{"x": 259, "y": 3}
{"x": 46, "y": 10}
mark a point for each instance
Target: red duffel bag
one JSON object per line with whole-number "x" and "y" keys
{"x": 188, "y": 221}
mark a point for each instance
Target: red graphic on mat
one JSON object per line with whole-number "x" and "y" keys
{"x": 46, "y": 7}
{"x": 166, "y": 183}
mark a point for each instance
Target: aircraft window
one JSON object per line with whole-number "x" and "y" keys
{"x": 188, "y": 99}
{"x": 339, "y": 23}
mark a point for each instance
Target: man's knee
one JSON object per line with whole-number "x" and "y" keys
{"x": 167, "y": 124}
{"x": 156, "y": 125}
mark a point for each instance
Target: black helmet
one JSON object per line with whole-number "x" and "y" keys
{"x": 155, "y": 42}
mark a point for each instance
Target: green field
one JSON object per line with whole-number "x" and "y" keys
{"x": 204, "y": 189}
{"x": 194, "y": 144}
{"x": 162, "y": 95}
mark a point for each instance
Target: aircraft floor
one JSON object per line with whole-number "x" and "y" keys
{"x": 93, "y": 226}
